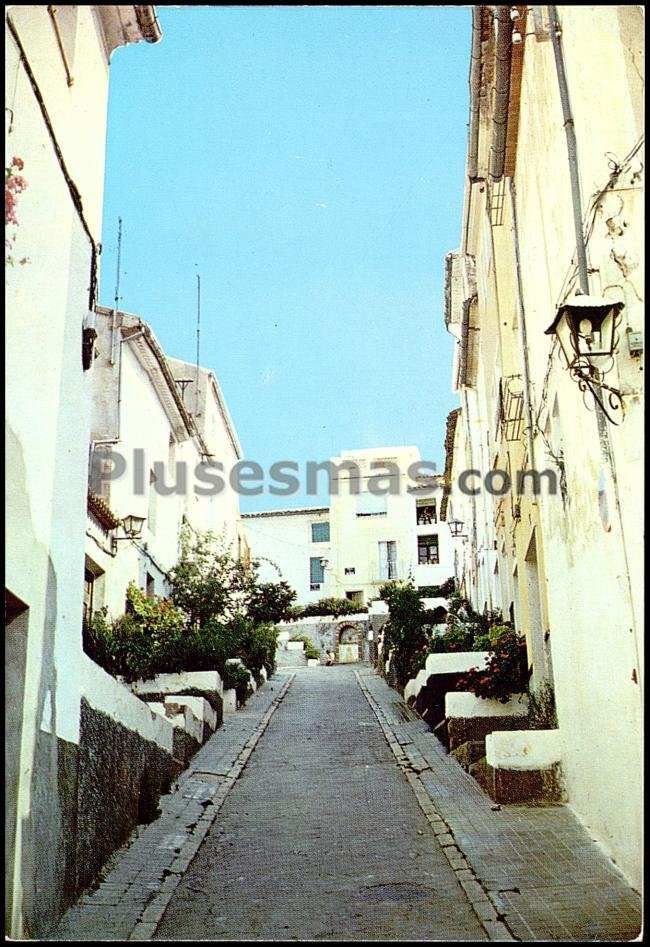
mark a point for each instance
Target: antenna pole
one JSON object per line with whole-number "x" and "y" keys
{"x": 198, "y": 336}
{"x": 119, "y": 260}
{"x": 117, "y": 289}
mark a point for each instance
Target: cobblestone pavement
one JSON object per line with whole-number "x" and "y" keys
{"x": 543, "y": 874}
{"x": 322, "y": 838}
{"x": 327, "y": 811}
{"x": 140, "y": 879}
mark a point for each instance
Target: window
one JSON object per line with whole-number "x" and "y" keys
{"x": 428, "y": 553}
{"x": 93, "y": 590}
{"x": 320, "y": 532}
{"x": 316, "y": 572}
{"x": 388, "y": 559}
{"x": 150, "y": 588}
{"x": 89, "y": 582}
{"x": 426, "y": 512}
{"x": 153, "y": 496}
{"x": 370, "y": 505}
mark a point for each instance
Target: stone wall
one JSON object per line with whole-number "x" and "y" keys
{"x": 121, "y": 777}
{"x": 325, "y": 632}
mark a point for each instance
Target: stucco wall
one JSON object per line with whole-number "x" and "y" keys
{"x": 47, "y": 403}
{"x": 568, "y": 567}
{"x": 286, "y": 541}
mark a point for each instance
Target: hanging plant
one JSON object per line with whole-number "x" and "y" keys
{"x": 15, "y": 184}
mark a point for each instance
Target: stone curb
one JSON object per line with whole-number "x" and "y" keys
{"x": 151, "y": 916}
{"x": 483, "y": 906}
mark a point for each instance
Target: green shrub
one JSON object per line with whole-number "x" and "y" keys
{"x": 235, "y": 676}
{"x": 444, "y": 590}
{"x": 254, "y": 644}
{"x": 311, "y": 651}
{"x": 332, "y": 606}
{"x": 208, "y": 582}
{"x": 149, "y": 639}
{"x": 270, "y": 602}
{"x": 218, "y": 609}
{"x": 406, "y": 632}
{"x": 455, "y": 638}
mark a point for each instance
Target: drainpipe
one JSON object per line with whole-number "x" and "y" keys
{"x": 607, "y": 454}
{"x": 572, "y": 150}
{"x": 523, "y": 335}
{"x": 501, "y": 92}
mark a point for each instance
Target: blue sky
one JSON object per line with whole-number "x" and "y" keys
{"x": 308, "y": 162}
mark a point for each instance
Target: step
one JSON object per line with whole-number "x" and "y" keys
{"x": 521, "y": 766}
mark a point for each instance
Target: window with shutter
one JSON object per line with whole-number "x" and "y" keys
{"x": 320, "y": 532}
{"x": 316, "y": 571}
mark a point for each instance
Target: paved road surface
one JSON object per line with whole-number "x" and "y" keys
{"x": 321, "y": 838}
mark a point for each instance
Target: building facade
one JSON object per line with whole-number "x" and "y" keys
{"x": 365, "y": 537}
{"x": 552, "y": 232}
{"x": 149, "y": 440}
{"x": 57, "y": 68}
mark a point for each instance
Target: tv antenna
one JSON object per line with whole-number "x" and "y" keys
{"x": 119, "y": 260}
{"x": 198, "y": 336}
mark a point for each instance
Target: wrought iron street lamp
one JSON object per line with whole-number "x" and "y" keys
{"x": 456, "y": 527}
{"x": 132, "y": 526}
{"x": 586, "y": 328}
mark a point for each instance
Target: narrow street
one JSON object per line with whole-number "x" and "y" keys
{"x": 321, "y": 838}
{"x": 326, "y": 810}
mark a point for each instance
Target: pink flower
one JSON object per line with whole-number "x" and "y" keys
{"x": 18, "y": 163}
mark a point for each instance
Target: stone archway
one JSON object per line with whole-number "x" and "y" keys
{"x": 349, "y": 642}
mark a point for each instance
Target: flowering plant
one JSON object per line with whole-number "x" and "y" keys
{"x": 15, "y": 184}
{"x": 506, "y": 672}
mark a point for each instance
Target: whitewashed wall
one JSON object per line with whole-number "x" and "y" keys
{"x": 285, "y": 539}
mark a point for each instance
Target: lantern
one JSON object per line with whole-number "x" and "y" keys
{"x": 586, "y": 327}
{"x": 133, "y": 526}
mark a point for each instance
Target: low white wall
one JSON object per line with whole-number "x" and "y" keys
{"x": 379, "y": 607}
{"x": 455, "y": 662}
{"x": 464, "y": 704}
{"x": 449, "y": 662}
{"x": 523, "y": 749}
{"x": 109, "y": 696}
{"x": 198, "y": 705}
{"x": 206, "y": 681}
{"x": 432, "y": 603}
{"x": 229, "y": 701}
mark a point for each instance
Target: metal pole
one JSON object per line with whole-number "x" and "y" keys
{"x": 117, "y": 288}
{"x": 198, "y": 336}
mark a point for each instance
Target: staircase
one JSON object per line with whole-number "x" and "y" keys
{"x": 290, "y": 659}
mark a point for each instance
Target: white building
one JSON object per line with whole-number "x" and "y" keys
{"x": 144, "y": 412}
{"x": 364, "y": 538}
{"x": 292, "y": 545}
{"x": 57, "y": 69}
{"x": 560, "y": 142}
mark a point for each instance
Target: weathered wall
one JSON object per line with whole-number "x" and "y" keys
{"x": 566, "y": 566}
{"x": 46, "y": 414}
{"x": 121, "y": 777}
{"x": 325, "y": 632}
